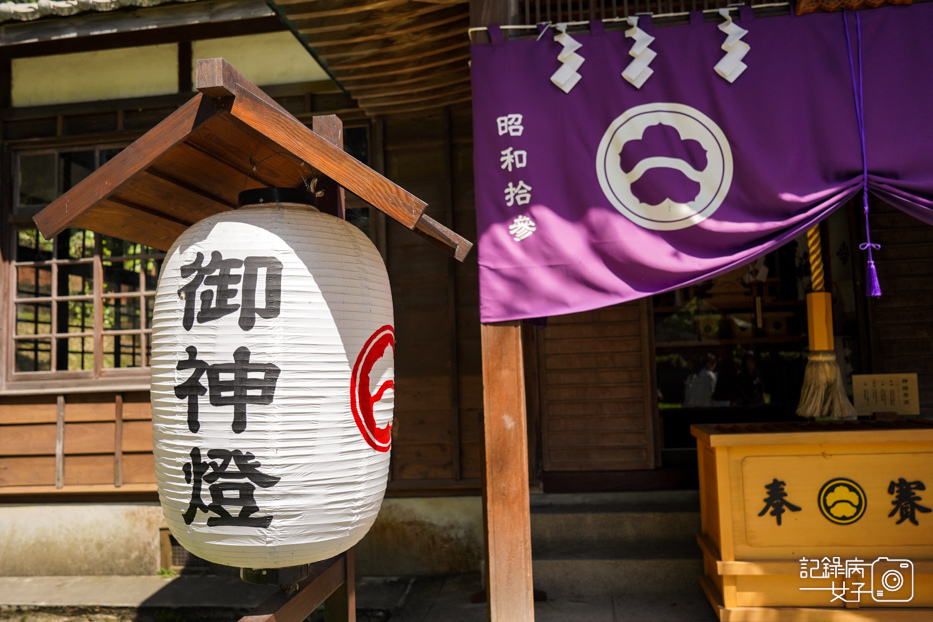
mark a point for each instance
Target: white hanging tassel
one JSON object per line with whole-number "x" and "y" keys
{"x": 730, "y": 67}
{"x": 638, "y": 70}
{"x": 567, "y": 77}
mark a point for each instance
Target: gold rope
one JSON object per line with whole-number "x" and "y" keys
{"x": 816, "y": 259}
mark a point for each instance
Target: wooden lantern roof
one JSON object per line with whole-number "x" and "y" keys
{"x": 195, "y": 163}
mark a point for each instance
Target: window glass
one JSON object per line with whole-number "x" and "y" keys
{"x": 74, "y": 166}
{"x": 34, "y": 355}
{"x": 122, "y": 351}
{"x": 37, "y": 184}
{"x": 34, "y": 318}
{"x": 80, "y": 244}
{"x": 32, "y": 246}
{"x": 122, "y": 314}
{"x": 33, "y": 281}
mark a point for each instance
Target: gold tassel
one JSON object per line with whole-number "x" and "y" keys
{"x": 823, "y": 394}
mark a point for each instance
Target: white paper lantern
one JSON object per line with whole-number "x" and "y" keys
{"x": 264, "y": 320}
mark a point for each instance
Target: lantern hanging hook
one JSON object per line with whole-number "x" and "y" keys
{"x": 254, "y": 165}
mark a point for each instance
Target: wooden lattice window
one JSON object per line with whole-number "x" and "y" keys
{"x": 82, "y": 302}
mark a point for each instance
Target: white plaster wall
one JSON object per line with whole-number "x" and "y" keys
{"x": 90, "y": 76}
{"x": 272, "y": 58}
{"x": 80, "y": 539}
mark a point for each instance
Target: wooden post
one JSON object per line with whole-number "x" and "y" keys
{"x": 506, "y": 508}
{"x": 332, "y": 201}
{"x": 341, "y": 605}
{"x": 331, "y": 584}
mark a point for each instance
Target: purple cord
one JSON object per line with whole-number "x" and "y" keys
{"x": 873, "y": 288}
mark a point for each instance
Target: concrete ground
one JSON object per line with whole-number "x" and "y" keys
{"x": 379, "y": 599}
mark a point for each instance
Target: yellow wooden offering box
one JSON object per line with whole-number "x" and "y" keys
{"x": 817, "y": 521}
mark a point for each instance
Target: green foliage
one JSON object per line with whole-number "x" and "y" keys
{"x": 167, "y": 572}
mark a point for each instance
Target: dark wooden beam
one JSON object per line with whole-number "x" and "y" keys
{"x": 319, "y": 9}
{"x": 424, "y": 61}
{"x": 360, "y": 15}
{"x": 185, "y": 67}
{"x": 379, "y": 89}
{"x": 6, "y": 82}
{"x": 486, "y": 12}
{"x": 450, "y": 93}
{"x": 449, "y": 241}
{"x": 394, "y": 56}
{"x": 400, "y": 109}
{"x": 337, "y": 48}
{"x": 413, "y": 76}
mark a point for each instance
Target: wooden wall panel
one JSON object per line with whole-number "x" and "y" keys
{"x": 426, "y": 443}
{"x": 89, "y": 438}
{"x": 90, "y": 407}
{"x": 597, "y": 396}
{"x": 89, "y": 470}
{"x": 141, "y": 411}
{"x": 27, "y": 471}
{"x": 28, "y": 440}
{"x": 19, "y": 410}
{"x": 466, "y": 303}
{"x": 32, "y": 460}
{"x": 137, "y": 436}
{"x": 901, "y": 324}
{"x": 138, "y": 469}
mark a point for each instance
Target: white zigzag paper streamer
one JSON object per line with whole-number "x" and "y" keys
{"x": 638, "y": 71}
{"x": 567, "y": 77}
{"x": 730, "y": 67}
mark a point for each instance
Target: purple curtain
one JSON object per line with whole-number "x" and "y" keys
{"x": 608, "y": 192}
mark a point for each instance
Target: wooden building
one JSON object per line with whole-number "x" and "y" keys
{"x": 603, "y": 390}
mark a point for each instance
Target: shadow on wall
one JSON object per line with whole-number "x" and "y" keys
{"x": 430, "y": 536}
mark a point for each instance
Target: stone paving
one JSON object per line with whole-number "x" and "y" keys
{"x": 379, "y": 599}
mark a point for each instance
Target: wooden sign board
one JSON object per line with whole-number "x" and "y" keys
{"x": 826, "y": 520}
{"x": 889, "y": 393}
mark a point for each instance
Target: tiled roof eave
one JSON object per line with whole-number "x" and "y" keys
{"x": 28, "y": 11}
